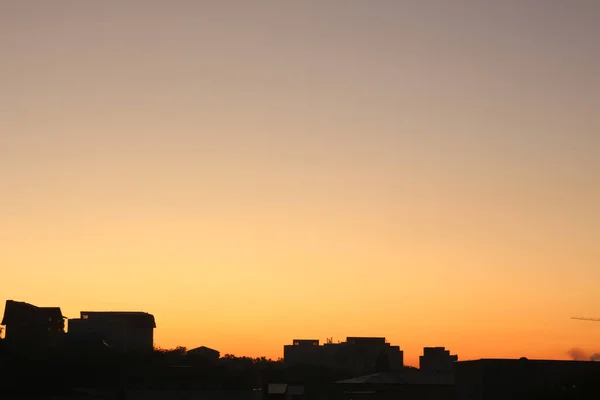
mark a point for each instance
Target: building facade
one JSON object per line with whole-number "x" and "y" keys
{"x": 122, "y": 331}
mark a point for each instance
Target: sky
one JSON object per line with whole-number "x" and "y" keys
{"x": 251, "y": 172}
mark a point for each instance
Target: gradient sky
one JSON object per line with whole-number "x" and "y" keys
{"x": 256, "y": 171}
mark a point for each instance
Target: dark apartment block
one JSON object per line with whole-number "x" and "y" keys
{"x": 437, "y": 359}
{"x": 31, "y": 325}
{"x": 120, "y": 330}
{"x": 303, "y": 352}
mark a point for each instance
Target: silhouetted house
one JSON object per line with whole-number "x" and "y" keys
{"x": 408, "y": 384}
{"x": 437, "y": 359}
{"x": 120, "y": 330}
{"x": 495, "y": 379}
{"x": 359, "y": 354}
{"x": 31, "y": 325}
{"x": 204, "y": 353}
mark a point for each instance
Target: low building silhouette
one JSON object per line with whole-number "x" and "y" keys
{"x": 204, "y": 353}
{"x": 359, "y": 354}
{"x": 31, "y": 325}
{"x": 523, "y": 379}
{"x": 437, "y": 359}
{"x": 119, "y": 330}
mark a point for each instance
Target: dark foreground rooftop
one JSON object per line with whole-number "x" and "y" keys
{"x": 407, "y": 377}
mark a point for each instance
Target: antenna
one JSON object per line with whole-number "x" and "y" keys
{"x": 587, "y": 319}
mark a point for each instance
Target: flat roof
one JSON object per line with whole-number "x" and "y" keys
{"x": 138, "y": 318}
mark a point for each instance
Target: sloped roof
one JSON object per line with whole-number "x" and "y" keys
{"x": 19, "y": 312}
{"x": 407, "y": 377}
{"x": 203, "y": 349}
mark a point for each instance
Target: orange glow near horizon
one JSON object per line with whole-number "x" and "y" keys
{"x": 259, "y": 173}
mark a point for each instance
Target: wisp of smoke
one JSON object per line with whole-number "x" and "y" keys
{"x": 577, "y": 354}
{"x": 581, "y": 355}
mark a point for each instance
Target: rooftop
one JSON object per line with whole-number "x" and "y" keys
{"x": 137, "y": 318}
{"x": 407, "y": 377}
{"x": 203, "y": 349}
{"x": 17, "y": 312}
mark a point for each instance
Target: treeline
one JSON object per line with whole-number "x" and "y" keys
{"x": 57, "y": 370}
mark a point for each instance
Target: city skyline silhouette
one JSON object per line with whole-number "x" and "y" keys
{"x": 126, "y": 331}
{"x": 110, "y": 354}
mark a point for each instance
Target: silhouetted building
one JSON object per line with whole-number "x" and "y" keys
{"x": 303, "y": 352}
{"x": 495, "y": 379}
{"x": 360, "y": 354}
{"x": 437, "y": 359}
{"x": 205, "y": 353}
{"x": 122, "y": 331}
{"x": 31, "y": 325}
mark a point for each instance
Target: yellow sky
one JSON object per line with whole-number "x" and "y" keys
{"x": 254, "y": 172}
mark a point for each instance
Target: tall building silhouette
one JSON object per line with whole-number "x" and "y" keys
{"x": 356, "y": 353}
